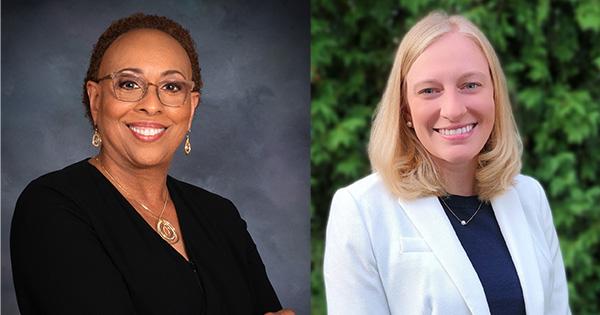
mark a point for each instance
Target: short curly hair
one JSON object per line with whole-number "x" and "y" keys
{"x": 140, "y": 21}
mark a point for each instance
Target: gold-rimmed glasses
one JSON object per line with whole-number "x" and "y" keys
{"x": 132, "y": 87}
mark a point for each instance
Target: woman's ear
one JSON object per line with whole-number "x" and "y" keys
{"x": 405, "y": 113}
{"x": 195, "y": 101}
{"x": 93, "y": 91}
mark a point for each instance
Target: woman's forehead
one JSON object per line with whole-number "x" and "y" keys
{"x": 453, "y": 52}
{"x": 151, "y": 51}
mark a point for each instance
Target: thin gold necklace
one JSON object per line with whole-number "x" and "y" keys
{"x": 462, "y": 222}
{"x": 164, "y": 228}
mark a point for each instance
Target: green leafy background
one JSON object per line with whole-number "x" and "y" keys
{"x": 550, "y": 52}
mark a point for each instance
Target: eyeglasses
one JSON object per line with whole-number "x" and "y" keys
{"x": 129, "y": 87}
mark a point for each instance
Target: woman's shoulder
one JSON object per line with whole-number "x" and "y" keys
{"x": 367, "y": 197}
{"x": 530, "y": 191}
{"x": 208, "y": 205}
{"x": 192, "y": 191}
{"x": 526, "y": 183}
{"x": 68, "y": 180}
{"x": 53, "y": 193}
{"x": 366, "y": 190}
{"x": 537, "y": 210}
{"x": 201, "y": 199}
{"x": 70, "y": 176}
{"x": 533, "y": 199}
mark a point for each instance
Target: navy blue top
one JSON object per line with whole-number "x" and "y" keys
{"x": 482, "y": 240}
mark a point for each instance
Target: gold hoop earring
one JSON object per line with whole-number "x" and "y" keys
{"x": 409, "y": 124}
{"x": 96, "y": 138}
{"x": 187, "y": 147}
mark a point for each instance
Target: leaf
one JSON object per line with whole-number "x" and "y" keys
{"x": 588, "y": 15}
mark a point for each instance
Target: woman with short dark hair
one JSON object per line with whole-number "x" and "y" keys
{"x": 114, "y": 234}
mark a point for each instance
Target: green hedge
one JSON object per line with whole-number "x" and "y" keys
{"x": 550, "y": 51}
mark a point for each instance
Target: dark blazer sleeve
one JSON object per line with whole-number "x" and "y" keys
{"x": 59, "y": 264}
{"x": 265, "y": 297}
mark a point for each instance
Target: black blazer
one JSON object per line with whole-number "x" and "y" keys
{"x": 78, "y": 247}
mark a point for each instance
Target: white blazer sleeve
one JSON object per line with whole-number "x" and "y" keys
{"x": 559, "y": 301}
{"x": 352, "y": 281}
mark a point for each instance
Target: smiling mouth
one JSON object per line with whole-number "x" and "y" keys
{"x": 456, "y": 131}
{"x": 146, "y": 132}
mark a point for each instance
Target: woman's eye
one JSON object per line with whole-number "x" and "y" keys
{"x": 128, "y": 85}
{"x": 427, "y": 91}
{"x": 172, "y": 87}
{"x": 471, "y": 85}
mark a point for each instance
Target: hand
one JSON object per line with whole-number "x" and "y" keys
{"x": 285, "y": 311}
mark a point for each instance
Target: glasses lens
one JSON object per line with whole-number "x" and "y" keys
{"x": 174, "y": 92}
{"x": 129, "y": 88}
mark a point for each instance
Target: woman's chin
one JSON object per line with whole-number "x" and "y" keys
{"x": 457, "y": 159}
{"x": 149, "y": 158}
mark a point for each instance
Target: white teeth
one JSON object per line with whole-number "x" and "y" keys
{"x": 457, "y": 131}
{"x": 145, "y": 131}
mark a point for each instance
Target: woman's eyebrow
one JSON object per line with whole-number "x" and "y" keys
{"x": 424, "y": 83}
{"x": 477, "y": 74}
{"x": 134, "y": 70}
{"x": 140, "y": 71}
{"x": 428, "y": 81}
{"x": 165, "y": 73}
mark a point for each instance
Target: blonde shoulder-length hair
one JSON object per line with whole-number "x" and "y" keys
{"x": 402, "y": 162}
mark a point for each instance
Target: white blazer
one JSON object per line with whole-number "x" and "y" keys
{"x": 385, "y": 255}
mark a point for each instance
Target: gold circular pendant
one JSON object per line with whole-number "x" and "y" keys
{"x": 167, "y": 231}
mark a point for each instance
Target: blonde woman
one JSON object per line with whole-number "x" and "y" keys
{"x": 446, "y": 224}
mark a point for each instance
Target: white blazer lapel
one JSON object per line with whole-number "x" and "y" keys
{"x": 515, "y": 229}
{"x": 428, "y": 216}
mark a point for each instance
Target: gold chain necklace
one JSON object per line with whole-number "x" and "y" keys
{"x": 164, "y": 228}
{"x": 463, "y": 222}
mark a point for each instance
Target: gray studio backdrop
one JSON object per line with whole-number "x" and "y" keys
{"x": 250, "y": 136}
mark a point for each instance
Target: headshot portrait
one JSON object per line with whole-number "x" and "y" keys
{"x": 155, "y": 157}
{"x": 454, "y": 158}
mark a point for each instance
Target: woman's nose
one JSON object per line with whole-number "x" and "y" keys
{"x": 150, "y": 102}
{"x": 453, "y": 107}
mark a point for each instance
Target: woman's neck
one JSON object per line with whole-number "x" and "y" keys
{"x": 459, "y": 179}
{"x": 143, "y": 184}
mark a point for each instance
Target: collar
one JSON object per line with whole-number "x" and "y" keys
{"x": 428, "y": 217}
